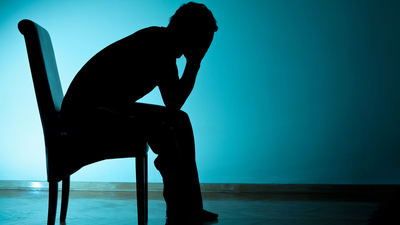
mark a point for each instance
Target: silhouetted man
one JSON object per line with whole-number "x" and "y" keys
{"x": 100, "y": 104}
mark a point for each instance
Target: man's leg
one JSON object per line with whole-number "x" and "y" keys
{"x": 170, "y": 135}
{"x": 177, "y": 165}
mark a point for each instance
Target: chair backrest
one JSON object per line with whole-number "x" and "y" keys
{"x": 49, "y": 96}
{"x": 45, "y": 77}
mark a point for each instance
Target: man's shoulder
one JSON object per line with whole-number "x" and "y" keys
{"x": 150, "y": 31}
{"x": 147, "y": 36}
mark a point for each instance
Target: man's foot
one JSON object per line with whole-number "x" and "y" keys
{"x": 203, "y": 217}
{"x": 176, "y": 222}
{"x": 206, "y": 216}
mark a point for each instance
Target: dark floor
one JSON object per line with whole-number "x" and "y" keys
{"x": 30, "y": 207}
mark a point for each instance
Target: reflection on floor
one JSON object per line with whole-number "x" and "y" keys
{"x": 30, "y": 207}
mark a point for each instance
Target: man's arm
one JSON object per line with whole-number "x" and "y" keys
{"x": 175, "y": 91}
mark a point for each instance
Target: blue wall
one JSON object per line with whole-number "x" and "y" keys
{"x": 289, "y": 92}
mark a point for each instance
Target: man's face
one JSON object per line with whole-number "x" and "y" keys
{"x": 197, "y": 44}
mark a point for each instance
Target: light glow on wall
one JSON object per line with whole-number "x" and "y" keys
{"x": 289, "y": 92}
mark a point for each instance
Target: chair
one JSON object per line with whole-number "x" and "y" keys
{"x": 62, "y": 151}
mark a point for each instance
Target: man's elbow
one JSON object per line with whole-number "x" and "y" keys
{"x": 174, "y": 105}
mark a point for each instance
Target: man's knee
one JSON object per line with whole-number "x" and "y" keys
{"x": 182, "y": 116}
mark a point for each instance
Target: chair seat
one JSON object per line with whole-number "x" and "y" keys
{"x": 74, "y": 153}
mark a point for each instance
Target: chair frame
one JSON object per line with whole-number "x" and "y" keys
{"x": 49, "y": 97}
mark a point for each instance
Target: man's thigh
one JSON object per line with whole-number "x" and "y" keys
{"x": 143, "y": 122}
{"x": 155, "y": 113}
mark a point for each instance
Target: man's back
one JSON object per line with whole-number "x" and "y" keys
{"x": 120, "y": 74}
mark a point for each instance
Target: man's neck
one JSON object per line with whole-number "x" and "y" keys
{"x": 174, "y": 43}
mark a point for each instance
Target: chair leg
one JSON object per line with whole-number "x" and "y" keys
{"x": 53, "y": 194}
{"x": 64, "y": 198}
{"x": 146, "y": 191}
{"x": 141, "y": 187}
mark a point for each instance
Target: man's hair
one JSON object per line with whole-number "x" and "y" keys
{"x": 193, "y": 16}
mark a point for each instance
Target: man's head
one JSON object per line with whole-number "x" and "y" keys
{"x": 194, "y": 26}
{"x": 193, "y": 16}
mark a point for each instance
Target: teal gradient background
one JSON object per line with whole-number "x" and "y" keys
{"x": 289, "y": 92}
